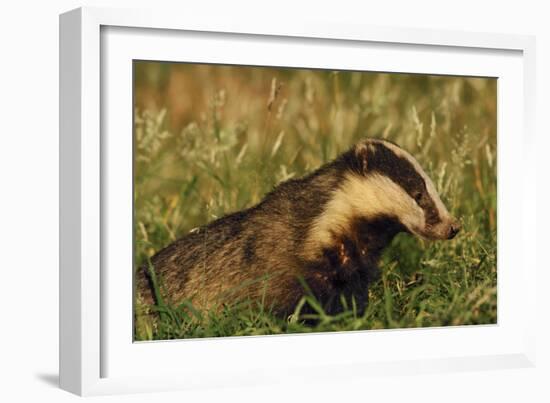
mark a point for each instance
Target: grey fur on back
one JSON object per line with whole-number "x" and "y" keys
{"x": 232, "y": 257}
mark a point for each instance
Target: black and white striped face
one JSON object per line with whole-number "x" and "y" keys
{"x": 395, "y": 185}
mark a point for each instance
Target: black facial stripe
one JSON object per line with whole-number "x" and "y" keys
{"x": 400, "y": 170}
{"x": 430, "y": 210}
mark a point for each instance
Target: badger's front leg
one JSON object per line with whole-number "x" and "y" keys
{"x": 341, "y": 279}
{"x": 348, "y": 262}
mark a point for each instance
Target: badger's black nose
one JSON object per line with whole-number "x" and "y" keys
{"x": 454, "y": 229}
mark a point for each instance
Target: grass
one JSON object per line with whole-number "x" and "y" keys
{"x": 210, "y": 140}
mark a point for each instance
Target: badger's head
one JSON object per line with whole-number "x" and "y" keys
{"x": 385, "y": 180}
{"x": 382, "y": 184}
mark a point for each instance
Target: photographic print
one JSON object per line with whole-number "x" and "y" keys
{"x": 274, "y": 200}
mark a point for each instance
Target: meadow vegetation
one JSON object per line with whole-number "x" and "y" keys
{"x": 210, "y": 140}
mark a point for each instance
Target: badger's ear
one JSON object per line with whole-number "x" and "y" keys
{"x": 361, "y": 152}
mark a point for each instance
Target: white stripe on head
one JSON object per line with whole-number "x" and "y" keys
{"x": 430, "y": 187}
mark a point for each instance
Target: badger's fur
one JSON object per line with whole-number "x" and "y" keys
{"x": 321, "y": 234}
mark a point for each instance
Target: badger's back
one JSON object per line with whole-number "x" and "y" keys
{"x": 253, "y": 254}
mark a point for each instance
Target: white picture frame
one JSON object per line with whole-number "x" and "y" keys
{"x": 96, "y": 354}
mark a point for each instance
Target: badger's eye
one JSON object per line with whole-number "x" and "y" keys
{"x": 417, "y": 196}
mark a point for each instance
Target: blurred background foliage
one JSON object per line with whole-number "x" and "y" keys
{"x": 213, "y": 139}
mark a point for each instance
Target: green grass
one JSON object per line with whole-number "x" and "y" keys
{"x": 213, "y": 140}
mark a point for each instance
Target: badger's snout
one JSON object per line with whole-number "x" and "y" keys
{"x": 445, "y": 229}
{"x": 454, "y": 228}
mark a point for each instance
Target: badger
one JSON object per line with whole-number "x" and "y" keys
{"x": 320, "y": 235}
